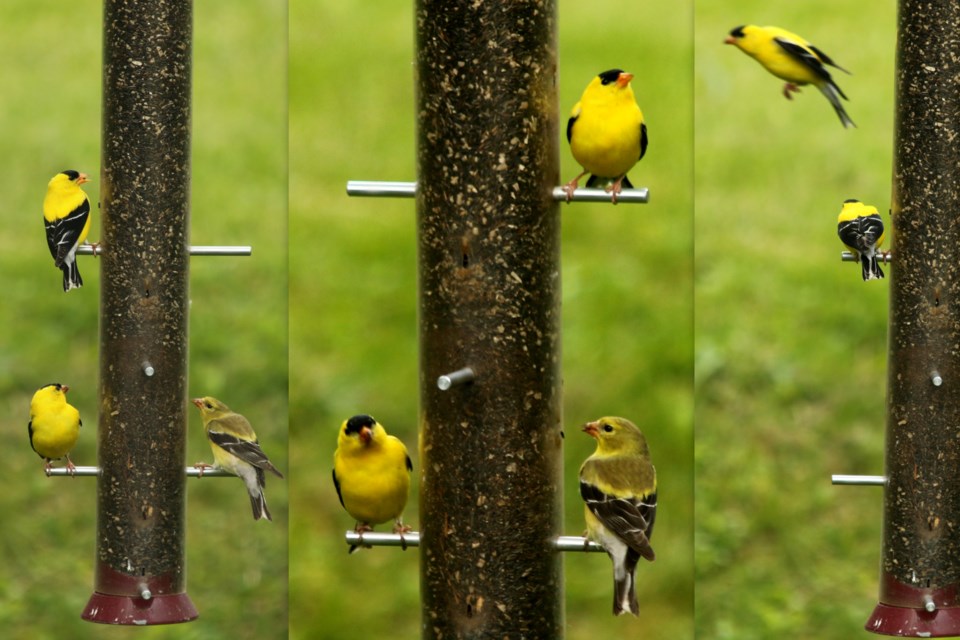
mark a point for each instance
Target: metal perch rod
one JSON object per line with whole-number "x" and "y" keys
{"x": 873, "y": 481}
{"x": 412, "y": 539}
{"x": 374, "y": 539}
{"x": 460, "y": 376}
{"x": 200, "y": 250}
{"x": 883, "y": 256}
{"x": 192, "y": 472}
{"x": 378, "y": 189}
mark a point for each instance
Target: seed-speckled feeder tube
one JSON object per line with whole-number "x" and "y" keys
{"x": 140, "y": 576}
{"x": 489, "y": 294}
{"x": 920, "y": 559}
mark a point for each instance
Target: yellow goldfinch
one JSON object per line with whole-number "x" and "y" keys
{"x": 618, "y": 484}
{"x": 606, "y": 133}
{"x": 54, "y": 425}
{"x": 66, "y": 217}
{"x": 371, "y": 471}
{"x": 791, "y": 58}
{"x": 860, "y": 228}
{"x": 235, "y": 449}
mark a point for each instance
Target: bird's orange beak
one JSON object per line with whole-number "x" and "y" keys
{"x": 365, "y": 434}
{"x": 198, "y": 402}
{"x": 730, "y": 40}
{"x": 592, "y": 429}
{"x": 64, "y": 388}
{"x": 83, "y": 178}
{"x": 624, "y": 79}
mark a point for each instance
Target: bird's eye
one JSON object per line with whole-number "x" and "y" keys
{"x": 208, "y": 405}
{"x": 608, "y": 428}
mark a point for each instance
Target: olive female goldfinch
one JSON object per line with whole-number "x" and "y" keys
{"x": 371, "y": 472}
{"x": 54, "y": 425}
{"x": 66, "y": 217}
{"x": 606, "y": 133}
{"x": 618, "y": 484}
{"x": 791, "y": 58}
{"x": 235, "y": 449}
{"x": 860, "y": 228}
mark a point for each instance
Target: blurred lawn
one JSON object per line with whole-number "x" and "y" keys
{"x": 627, "y": 304}
{"x": 50, "y": 116}
{"x": 790, "y": 343}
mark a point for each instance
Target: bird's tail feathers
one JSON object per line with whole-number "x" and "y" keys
{"x": 71, "y": 275}
{"x": 833, "y": 93}
{"x": 259, "y": 504}
{"x": 870, "y": 267}
{"x": 624, "y": 588}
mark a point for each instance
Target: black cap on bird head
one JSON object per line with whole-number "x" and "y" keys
{"x": 75, "y": 176}
{"x": 361, "y": 425}
{"x": 735, "y": 34}
{"x": 609, "y": 77}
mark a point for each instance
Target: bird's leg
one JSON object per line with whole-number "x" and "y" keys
{"x": 615, "y": 188}
{"x": 71, "y": 468}
{"x": 94, "y": 246}
{"x": 201, "y": 466}
{"x": 401, "y": 529}
{"x": 790, "y": 87}
{"x": 571, "y": 186}
{"x": 47, "y": 466}
{"x": 360, "y": 529}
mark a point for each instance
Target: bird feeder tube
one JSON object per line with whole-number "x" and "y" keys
{"x": 489, "y": 293}
{"x": 374, "y": 189}
{"x": 140, "y": 574}
{"x": 920, "y": 558}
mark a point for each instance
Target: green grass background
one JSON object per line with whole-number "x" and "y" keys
{"x": 50, "y": 117}
{"x": 627, "y": 304}
{"x": 790, "y": 343}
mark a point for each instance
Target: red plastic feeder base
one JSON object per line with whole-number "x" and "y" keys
{"x": 129, "y": 610}
{"x": 914, "y": 623}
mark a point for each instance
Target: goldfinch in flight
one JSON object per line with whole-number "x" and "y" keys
{"x": 791, "y": 58}
{"x": 606, "y": 133}
{"x": 235, "y": 449}
{"x": 54, "y": 425}
{"x": 371, "y": 472}
{"x": 618, "y": 484}
{"x": 860, "y": 228}
{"x": 66, "y": 217}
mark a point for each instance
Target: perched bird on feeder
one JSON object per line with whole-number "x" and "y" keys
{"x": 618, "y": 484}
{"x": 860, "y": 228}
{"x": 371, "y": 472}
{"x": 235, "y": 449}
{"x": 606, "y": 133}
{"x": 54, "y": 425}
{"x": 791, "y": 58}
{"x": 66, "y": 217}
